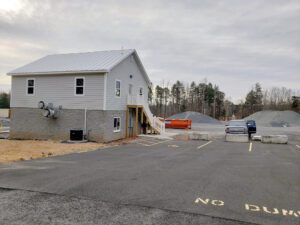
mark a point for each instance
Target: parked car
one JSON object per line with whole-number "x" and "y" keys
{"x": 236, "y": 127}
{"x": 251, "y": 124}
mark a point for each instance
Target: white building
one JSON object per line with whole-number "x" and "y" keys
{"x": 104, "y": 94}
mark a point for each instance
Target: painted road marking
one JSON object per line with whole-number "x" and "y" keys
{"x": 160, "y": 142}
{"x": 173, "y": 146}
{"x": 252, "y": 208}
{"x": 298, "y": 146}
{"x": 144, "y": 143}
{"x": 144, "y": 140}
{"x": 201, "y": 146}
{"x": 151, "y": 143}
{"x": 207, "y": 201}
{"x": 250, "y": 147}
{"x": 264, "y": 209}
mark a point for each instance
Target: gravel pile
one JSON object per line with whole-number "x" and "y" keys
{"x": 276, "y": 118}
{"x": 196, "y": 117}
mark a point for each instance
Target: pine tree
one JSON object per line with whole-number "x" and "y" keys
{"x": 4, "y": 100}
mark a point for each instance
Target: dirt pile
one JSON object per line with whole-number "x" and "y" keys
{"x": 276, "y": 118}
{"x": 196, "y": 117}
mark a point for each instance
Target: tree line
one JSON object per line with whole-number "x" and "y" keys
{"x": 275, "y": 98}
{"x": 4, "y": 100}
{"x": 202, "y": 97}
{"x": 207, "y": 98}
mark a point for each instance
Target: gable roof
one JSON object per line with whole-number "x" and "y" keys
{"x": 87, "y": 62}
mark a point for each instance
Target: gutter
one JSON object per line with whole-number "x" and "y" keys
{"x": 58, "y": 72}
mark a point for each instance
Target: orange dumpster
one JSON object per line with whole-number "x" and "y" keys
{"x": 178, "y": 123}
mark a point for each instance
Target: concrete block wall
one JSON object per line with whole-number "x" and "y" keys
{"x": 274, "y": 139}
{"x": 29, "y": 123}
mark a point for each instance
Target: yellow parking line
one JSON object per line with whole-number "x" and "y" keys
{"x": 201, "y": 146}
{"x": 250, "y": 147}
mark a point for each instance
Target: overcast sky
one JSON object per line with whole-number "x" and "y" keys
{"x": 232, "y": 43}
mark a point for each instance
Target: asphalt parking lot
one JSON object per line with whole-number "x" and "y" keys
{"x": 226, "y": 183}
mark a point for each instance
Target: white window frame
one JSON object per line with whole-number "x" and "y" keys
{"x": 116, "y": 129}
{"x": 141, "y": 94}
{"x": 116, "y": 88}
{"x": 28, "y": 79}
{"x": 75, "y": 86}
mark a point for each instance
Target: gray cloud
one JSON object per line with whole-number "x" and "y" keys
{"x": 231, "y": 43}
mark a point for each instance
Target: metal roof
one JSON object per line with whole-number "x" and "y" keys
{"x": 87, "y": 62}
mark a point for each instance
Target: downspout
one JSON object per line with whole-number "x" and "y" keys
{"x": 104, "y": 91}
{"x": 85, "y": 123}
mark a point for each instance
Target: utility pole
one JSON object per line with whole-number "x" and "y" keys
{"x": 203, "y": 101}
{"x": 164, "y": 97}
{"x": 214, "y": 104}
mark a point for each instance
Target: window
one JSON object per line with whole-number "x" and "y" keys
{"x": 141, "y": 91}
{"x": 118, "y": 88}
{"x": 79, "y": 86}
{"x": 117, "y": 124}
{"x": 30, "y": 86}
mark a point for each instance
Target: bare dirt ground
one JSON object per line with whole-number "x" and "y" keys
{"x": 15, "y": 150}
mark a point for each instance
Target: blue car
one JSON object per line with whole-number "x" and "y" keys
{"x": 251, "y": 126}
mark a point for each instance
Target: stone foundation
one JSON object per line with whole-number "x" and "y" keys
{"x": 29, "y": 123}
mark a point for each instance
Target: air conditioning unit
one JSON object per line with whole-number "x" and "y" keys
{"x": 76, "y": 135}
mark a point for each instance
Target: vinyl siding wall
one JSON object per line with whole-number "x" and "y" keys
{"x": 59, "y": 90}
{"x": 122, "y": 72}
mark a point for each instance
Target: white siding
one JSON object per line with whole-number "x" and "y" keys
{"x": 122, "y": 72}
{"x": 59, "y": 90}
